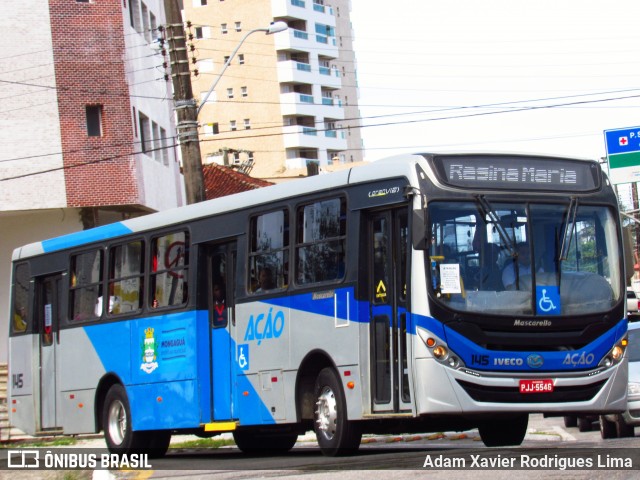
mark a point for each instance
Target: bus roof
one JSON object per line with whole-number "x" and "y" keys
{"x": 397, "y": 166}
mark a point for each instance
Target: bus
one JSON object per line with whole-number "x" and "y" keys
{"x": 420, "y": 293}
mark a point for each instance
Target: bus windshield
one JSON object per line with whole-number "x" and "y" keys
{"x": 524, "y": 258}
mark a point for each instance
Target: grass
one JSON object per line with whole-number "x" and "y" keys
{"x": 204, "y": 443}
{"x": 56, "y": 442}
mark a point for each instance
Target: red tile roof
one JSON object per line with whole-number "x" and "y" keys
{"x": 220, "y": 181}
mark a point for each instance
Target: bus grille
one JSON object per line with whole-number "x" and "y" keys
{"x": 483, "y": 393}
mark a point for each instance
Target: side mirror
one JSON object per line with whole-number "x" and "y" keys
{"x": 627, "y": 247}
{"x": 419, "y": 230}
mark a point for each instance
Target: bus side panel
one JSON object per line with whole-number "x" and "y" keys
{"x": 262, "y": 347}
{"x": 77, "y": 386}
{"x": 329, "y": 321}
{"x": 157, "y": 360}
{"x": 277, "y": 338}
{"x": 22, "y": 383}
{"x": 157, "y": 406}
{"x": 164, "y": 371}
{"x": 111, "y": 343}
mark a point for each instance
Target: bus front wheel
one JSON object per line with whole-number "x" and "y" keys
{"x": 266, "y": 444}
{"x": 116, "y": 421}
{"x": 335, "y": 433}
{"x": 504, "y": 432}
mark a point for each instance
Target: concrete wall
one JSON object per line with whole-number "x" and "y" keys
{"x": 29, "y": 127}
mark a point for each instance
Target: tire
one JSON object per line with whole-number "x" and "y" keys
{"x": 622, "y": 429}
{"x": 570, "y": 421}
{"x": 158, "y": 443}
{"x": 607, "y": 428}
{"x": 116, "y": 421}
{"x": 264, "y": 444}
{"x": 585, "y": 424}
{"x": 336, "y": 434}
{"x": 504, "y": 432}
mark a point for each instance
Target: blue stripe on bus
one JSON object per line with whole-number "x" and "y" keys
{"x": 165, "y": 364}
{"x": 86, "y": 236}
{"x": 585, "y": 358}
{"x": 478, "y": 358}
{"x": 324, "y": 303}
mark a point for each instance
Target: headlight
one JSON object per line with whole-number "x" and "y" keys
{"x": 439, "y": 349}
{"x": 615, "y": 354}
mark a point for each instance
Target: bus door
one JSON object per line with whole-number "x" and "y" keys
{"x": 388, "y": 260}
{"x": 48, "y": 313}
{"x": 221, "y": 269}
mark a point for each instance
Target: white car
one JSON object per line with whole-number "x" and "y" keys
{"x": 622, "y": 424}
{"x": 633, "y": 304}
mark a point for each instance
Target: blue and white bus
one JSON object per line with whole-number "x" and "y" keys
{"x": 421, "y": 293}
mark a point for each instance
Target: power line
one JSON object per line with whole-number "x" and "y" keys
{"x": 527, "y": 108}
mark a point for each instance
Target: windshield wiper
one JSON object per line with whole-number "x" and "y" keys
{"x": 509, "y": 243}
{"x": 569, "y": 230}
{"x": 488, "y": 211}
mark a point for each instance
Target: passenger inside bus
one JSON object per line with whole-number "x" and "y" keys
{"x": 523, "y": 259}
{"x": 19, "y": 318}
{"x": 489, "y": 276}
{"x": 265, "y": 280}
{"x": 114, "y": 302}
{"x": 219, "y": 307}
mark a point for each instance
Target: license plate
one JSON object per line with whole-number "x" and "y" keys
{"x": 536, "y": 386}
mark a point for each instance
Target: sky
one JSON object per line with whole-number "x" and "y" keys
{"x": 545, "y": 76}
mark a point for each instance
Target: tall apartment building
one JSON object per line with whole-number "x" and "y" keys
{"x": 86, "y": 121}
{"x": 286, "y": 99}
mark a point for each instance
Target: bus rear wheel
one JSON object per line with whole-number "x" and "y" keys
{"x": 504, "y": 432}
{"x": 336, "y": 435}
{"x": 116, "y": 421}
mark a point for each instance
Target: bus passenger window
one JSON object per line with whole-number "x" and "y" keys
{"x": 320, "y": 241}
{"x": 169, "y": 273}
{"x": 85, "y": 285}
{"x": 269, "y": 256}
{"x": 126, "y": 270}
{"x": 20, "y": 299}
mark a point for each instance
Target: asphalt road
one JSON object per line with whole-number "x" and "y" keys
{"x": 549, "y": 451}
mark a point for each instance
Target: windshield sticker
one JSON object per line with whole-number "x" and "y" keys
{"x": 450, "y": 278}
{"x": 547, "y": 300}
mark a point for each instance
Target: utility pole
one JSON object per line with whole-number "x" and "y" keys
{"x": 185, "y": 105}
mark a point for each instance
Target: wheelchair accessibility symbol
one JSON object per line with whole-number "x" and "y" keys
{"x": 547, "y": 300}
{"x": 243, "y": 356}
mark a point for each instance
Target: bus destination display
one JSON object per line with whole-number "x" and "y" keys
{"x": 519, "y": 173}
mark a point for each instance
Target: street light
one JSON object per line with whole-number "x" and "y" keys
{"x": 274, "y": 27}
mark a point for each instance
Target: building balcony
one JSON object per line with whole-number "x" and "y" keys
{"x": 297, "y": 136}
{"x": 292, "y": 71}
{"x": 307, "y": 41}
{"x": 302, "y": 9}
{"x": 293, "y": 103}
